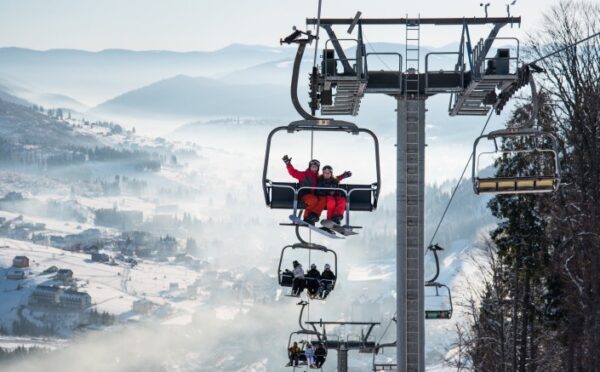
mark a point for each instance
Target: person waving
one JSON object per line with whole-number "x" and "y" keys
{"x": 307, "y": 178}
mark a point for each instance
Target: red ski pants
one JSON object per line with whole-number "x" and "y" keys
{"x": 314, "y": 204}
{"x": 336, "y": 206}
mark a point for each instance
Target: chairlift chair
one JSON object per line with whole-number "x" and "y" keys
{"x": 384, "y": 365}
{"x": 285, "y": 195}
{"x": 541, "y": 144}
{"x": 303, "y": 337}
{"x": 443, "y": 311}
{"x": 286, "y": 279}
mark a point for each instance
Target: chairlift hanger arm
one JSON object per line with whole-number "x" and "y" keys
{"x": 437, "y": 264}
{"x": 294, "y": 85}
{"x": 304, "y": 330}
{"x": 422, "y": 21}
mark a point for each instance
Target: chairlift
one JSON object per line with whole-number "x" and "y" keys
{"x": 286, "y": 278}
{"x": 285, "y": 195}
{"x": 536, "y": 148}
{"x": 382, "y": 362}
{"x": 443, "y": 310}
{"x": 303, "y": 338}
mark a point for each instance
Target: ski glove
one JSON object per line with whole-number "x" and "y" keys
{"x": 346, "y": 174}
{"x": 286, "y": 159}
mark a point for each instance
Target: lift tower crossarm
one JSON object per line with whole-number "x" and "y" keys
{"x": 422, "y": 21}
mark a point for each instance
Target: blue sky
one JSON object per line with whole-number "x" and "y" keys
{"x": 186, "y": 25}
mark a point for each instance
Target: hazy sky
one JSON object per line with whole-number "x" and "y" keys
{"x": 186, "y": 25}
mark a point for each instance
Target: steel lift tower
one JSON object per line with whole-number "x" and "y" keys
{"x": 477, "y": 84}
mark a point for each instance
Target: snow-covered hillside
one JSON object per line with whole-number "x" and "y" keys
{"x": 113, "y": 288}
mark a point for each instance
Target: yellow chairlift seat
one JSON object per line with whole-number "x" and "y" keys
{"x": 516, "y": 185}
{"x": 543, "y": 144}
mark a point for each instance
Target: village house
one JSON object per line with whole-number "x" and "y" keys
{"x": 20, "y": 261}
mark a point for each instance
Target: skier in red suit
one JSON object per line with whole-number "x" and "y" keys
{"x": 308, "y": 177}
{"x": 335, "y": 200}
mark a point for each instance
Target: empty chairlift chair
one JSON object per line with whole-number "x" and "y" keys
{"x": 383, "y": 361}
{"x": 528, "y": 160}
{"x": 439, "y": 303}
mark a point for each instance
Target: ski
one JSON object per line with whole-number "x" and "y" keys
{"x": 298, "y": 221}
{"x": 344, "y": 230}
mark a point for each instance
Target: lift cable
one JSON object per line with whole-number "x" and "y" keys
{"x": 386, "y": 329}
{"x": 376, "y": 53}
{"x": 318, "y": 27}
{"x": 312, "y": 137}
{"x": 457, "y": 185}
{"x": 564, "y": 48}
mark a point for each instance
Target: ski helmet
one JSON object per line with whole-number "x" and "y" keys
{"x": 327, "y": 267}
{"x": 295, "y": 263}
{"x": 328, "y": 167}
{"x": 314, "y": 162}
{"x": 313, "y": 266}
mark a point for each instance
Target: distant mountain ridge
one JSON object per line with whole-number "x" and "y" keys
{"x": 198, "y": 96}
{"x": 93, "y": 77}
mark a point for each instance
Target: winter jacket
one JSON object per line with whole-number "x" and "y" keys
{"x": 305, "y": 178}
{"x": 332, "y": 182}
{"x": 328, "y": 275}
{"x": 320, "y": 351}
{"x": 294, "y": 350}
{"x": 298, "y": 272}
{"x": 309, "y": 352}
{"x": 313, "y": 273}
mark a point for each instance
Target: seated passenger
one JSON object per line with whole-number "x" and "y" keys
{"x": 293, "y": 354}
{"x": 312, "y": 284}
{"x": 327, "y": 281}
{"x": 307, "y": 178}
{"x": 334, "y": 200}
{"x": 320, "y": 354}
{"x": 299, "y": 280}
{"x": 309, "y": 352}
